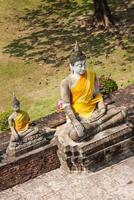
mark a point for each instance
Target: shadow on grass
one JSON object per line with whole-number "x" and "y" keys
{"x": 52, "y": 31}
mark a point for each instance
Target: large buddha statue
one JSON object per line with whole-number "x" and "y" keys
{"x": 83, "y": 103}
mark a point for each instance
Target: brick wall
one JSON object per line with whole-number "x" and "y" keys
{"x": 29, "y": 166}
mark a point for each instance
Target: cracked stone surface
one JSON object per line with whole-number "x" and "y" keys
{"x": 112, "y": 183}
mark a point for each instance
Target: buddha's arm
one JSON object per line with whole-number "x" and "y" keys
{"x": 101, "y": 106}
{"x": 101, "y": 109}
{"x": 11, "y": 124}
{"x": 65, "y": 95}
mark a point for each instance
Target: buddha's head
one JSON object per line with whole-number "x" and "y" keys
{"x": 77, "y": 60}
{"x": 15, "y": 104}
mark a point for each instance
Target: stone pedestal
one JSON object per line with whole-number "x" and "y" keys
{"x": 25, "y": 145}
{"x": 104, "y": 148}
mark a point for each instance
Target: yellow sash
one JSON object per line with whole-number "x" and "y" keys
{"x": 82, "y": 93}
{"x": 21, "y": 121}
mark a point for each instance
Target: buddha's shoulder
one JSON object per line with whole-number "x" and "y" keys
{"x": 12, "y": 116}
{"x": 22, "y": 112}
{"x": 66, "y": 81}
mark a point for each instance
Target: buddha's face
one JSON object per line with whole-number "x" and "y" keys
{"x": 79, "y": 67}
{"x": 16, "y": 108}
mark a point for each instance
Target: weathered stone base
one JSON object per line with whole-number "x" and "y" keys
{"x": 104, "y": 148}
{"x": 25, "y": 145}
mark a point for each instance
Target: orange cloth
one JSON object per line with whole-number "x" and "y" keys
{"x": 21, "y": 121}
{"x": 82, "y": 93}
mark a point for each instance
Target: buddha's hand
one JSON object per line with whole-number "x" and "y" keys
{"x": 98, "y": 114}
{"x": 102, "y": 112}
{"x": 78, "y": 127}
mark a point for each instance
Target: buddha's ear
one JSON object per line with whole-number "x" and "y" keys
{"x": 71, "y": 68}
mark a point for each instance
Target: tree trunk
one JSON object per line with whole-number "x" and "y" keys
{"x": 102, "y": 14}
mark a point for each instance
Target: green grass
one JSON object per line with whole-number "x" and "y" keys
{"x": 43, "y": 107}
{"x": 36, "y": 39}
{"x": 10, "y": 7}
{"x": 32, "y": 84}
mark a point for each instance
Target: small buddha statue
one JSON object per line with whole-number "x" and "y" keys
{"x": 19, "y": 123}
{"x": 83, "y": 103}
{"x": 24, "y": 134}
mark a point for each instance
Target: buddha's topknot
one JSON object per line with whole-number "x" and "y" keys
{"x": 76, "y": 55}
